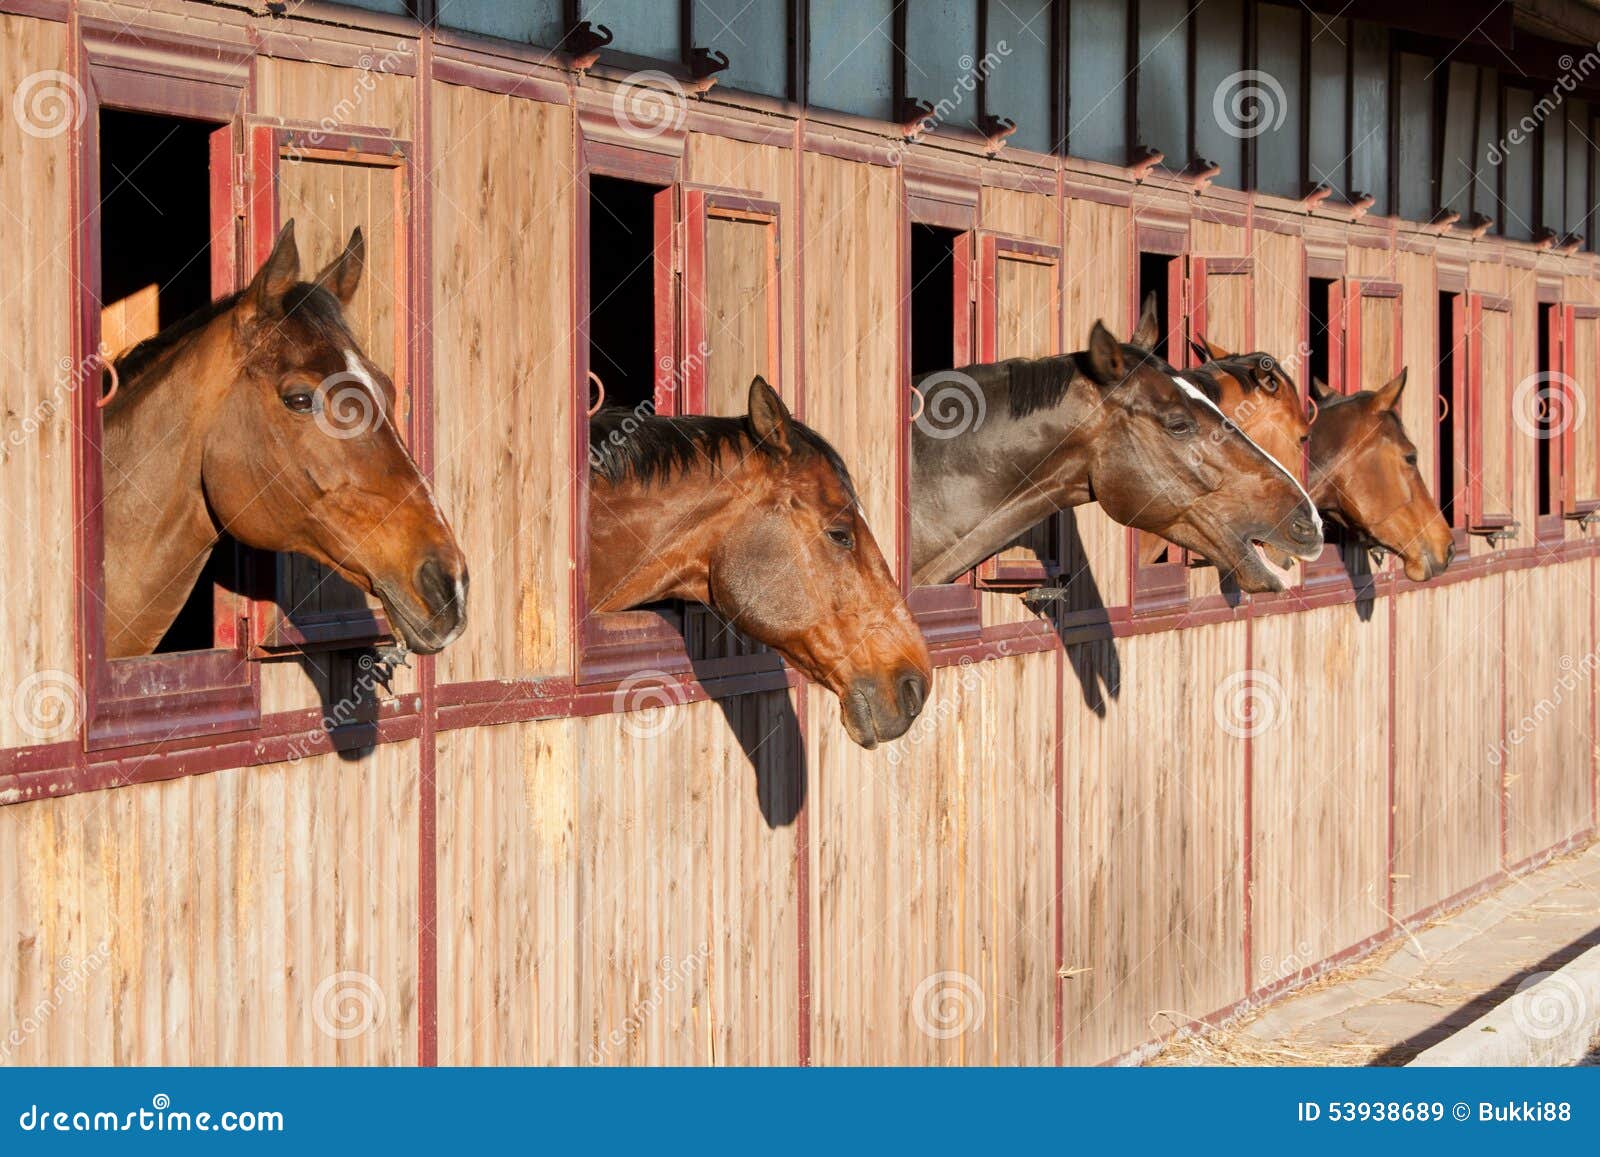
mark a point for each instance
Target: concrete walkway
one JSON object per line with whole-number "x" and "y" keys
{"x": 1412, "y": 994}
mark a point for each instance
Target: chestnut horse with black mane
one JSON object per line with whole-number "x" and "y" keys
{"x": 757, "y": 518}
{"x": 1113, "y": 424}
{"x": 260, "y": 417}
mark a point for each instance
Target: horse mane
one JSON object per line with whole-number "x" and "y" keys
{"x": 1242, "y": 368}
{"x": 650, "y": 448}
{"x": 1033, "y": 384}
{"x": 305, "y": 301}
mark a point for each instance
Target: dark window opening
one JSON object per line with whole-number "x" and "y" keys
{"x": 155, "y": 236}
{"x": 933, "y": 299}
{"x": 1547, "y": 441}
{"x": 1155, "y": 271}
{"x": 1319, "y": 335}
{"x": 1449, "y": 403}
{"x": 622, "y": 293}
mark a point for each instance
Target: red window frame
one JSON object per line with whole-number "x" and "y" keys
{"x": 165, "y": 696}
{"x": 1483, "y": 521}
{"x": 1000, "y": 573}
{"x": 1160, "y": 587}
{"x": 1458, "y": 414}
{"x": 616, "y": 644}
{"x": 276, "y": 628}
{"x": 947, "y": 613}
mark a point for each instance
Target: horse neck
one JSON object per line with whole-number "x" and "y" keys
{"x": 158, "y": 531}
{"x": 650, "y": 541}
{"x": 976, "y": 493}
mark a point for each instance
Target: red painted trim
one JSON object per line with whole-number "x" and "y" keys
{"x": 1058, "y": 907}
{"x": 1248, "y": 852}
{"x": 1389, "y": 755}
{"x": 802, "y": 872}
{"x": 57, "y": 10}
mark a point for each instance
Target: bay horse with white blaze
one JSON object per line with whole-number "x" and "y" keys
{"x": 757, "y": 518}
{"x": 1113, "y": 424}
{"x": 260, "y": 417}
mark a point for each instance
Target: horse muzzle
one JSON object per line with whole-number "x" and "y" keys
{"x": 433, "y": 612}
{"x": 876, "y": 710}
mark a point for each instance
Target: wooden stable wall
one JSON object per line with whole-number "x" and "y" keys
{"x": 1082, "y": 841}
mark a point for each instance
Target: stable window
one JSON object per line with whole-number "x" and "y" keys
{"x": 1453, "y": 479}
{"x": 329, "y": 184}
{"x": 1555, "y": 404}
{"x": 939, "y": 281}
{"x": 1019, "y": 316}
{"x": 1159, "y": 569}
{"x": 1547, "y": 404}
{"x": 157, "y": 240}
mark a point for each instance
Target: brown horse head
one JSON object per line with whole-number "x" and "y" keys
{"x": 757, "y": 518}
{"x": 1255, "y": 392}
{"x": 282, "y": 436}
{"x": 1364, "y": 475}
{"x": 1171, "y": 462}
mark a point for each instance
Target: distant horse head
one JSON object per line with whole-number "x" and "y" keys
{"x": 757, "y": 518}
{"x": 261, "y": 417}
{"x": 1364, "y": 475}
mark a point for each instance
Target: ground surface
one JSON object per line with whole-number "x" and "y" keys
{"x": 1412, "y": 994}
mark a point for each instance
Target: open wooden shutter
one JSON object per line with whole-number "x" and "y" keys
{"x": 732, "y": 306}
{"x": 1580, "y": 366}
{"x": 1222, "y": 297}
{"x": 732, "y": 300}
{"x": 1489, "y": 387}
{"x": 1453, "y": 420}
{"x": 1019, "y": 316}
{"x": 1372, "y": 350}
{"x": 329, "y": 184}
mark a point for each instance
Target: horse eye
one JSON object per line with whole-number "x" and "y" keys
{"x": 1181, "y": 425}
{"x": 300, "y": 402}
{"x": 1411, "y": 459}
{"x": 841, "y": 537}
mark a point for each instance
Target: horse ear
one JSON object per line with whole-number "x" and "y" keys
{"x": 1106, "y": 363}
{"x": 343, "y": 274}
{"x": 1389, "y": 396}
{"x": 1320, "y": 392}
{"x": 1201, "y": 351}
{"x": 1149, "y": 328}
{"x": 769, "y": 418}
{"x": 1214, "y": 353}
{"x": 263, "y": 297}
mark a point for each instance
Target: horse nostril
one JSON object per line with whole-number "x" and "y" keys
{"x": 1303, "y": 529}
{"x": 1450, "y": 553}
{"x": 436, "y": 585}
{"x": 913, "y": 693}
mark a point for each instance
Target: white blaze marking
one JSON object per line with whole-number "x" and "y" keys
{"x": 1199, "y": 395}
{"x": 353, "y": 367}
